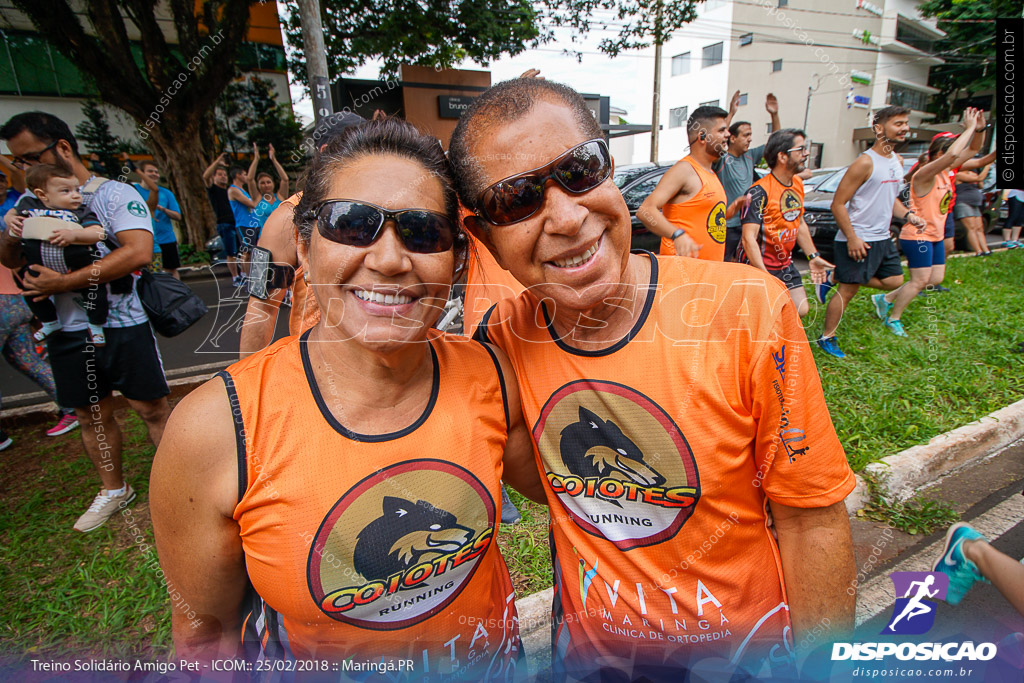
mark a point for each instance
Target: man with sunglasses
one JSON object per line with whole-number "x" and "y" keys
{"x": 85, "y": 375}
{"x": 773, "y": 222}
{"x": 688, "y": 207}
{"x": 673, "y": 403}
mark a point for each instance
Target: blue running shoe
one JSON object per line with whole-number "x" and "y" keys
{"x": 822, "y": 290}
{"x": 831, "y": 347}
{"x": 962, "y": 572}
{"x": 895, "y": 326}
{"x": 882, "y": 307}
{"x": 1011, "y": 245}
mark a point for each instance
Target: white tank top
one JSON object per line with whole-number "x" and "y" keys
{"x": 870, "y": 208}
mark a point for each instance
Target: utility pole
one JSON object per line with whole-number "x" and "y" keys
{"x": 316, "y": 59}
{"x": 810, "y": 91}
{"x": 656, "y": 111}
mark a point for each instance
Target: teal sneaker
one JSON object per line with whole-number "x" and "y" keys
{"x": 895, "y": 326}
{"x": 882, "y": 307}
{"x": 831, "y": 347}
{"x": 962, "y": 572}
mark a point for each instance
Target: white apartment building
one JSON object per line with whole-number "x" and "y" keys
{"x": 830, "y": 63}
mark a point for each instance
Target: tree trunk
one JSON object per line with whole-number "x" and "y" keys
{"x": 178, "y": 143}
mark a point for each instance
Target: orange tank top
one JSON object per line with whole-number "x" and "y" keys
{"x": 375, "y": 547}
{"x": 702, "y": 216}
{"x": 659, "y": 454}
{"x": 933, "y": 208}
{"x": 487, "y": 283}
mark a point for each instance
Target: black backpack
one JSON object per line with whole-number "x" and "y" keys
{"x": 171, "y": 305}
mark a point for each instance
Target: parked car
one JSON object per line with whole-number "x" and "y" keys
{"x": 818, "y": 175}
{"x": 637, "y": 182}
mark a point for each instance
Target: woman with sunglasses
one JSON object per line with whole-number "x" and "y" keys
{"x": 336, "y": 496}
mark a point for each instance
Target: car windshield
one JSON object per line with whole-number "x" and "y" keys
{"x": 831, "y": 183}
{"x": 625, "y": 174}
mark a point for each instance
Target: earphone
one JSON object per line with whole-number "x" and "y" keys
{"x": 703, "y": 136}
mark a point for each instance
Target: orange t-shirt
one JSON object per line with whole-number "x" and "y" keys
{"x": 933, "y": 208}
{"x": 660, "y": 454}
{"x": 702, "y": 216}
{"x": 375, "y": 547}
{"x": 487, "y": 283}
{"x": 778, "y": 210}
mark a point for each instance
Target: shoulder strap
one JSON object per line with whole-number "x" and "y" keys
{"x": 94, "y": 184}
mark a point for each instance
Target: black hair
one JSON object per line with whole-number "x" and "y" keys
{"x": 734, "y": 129}
{"x": 385, "y": 137}
{"x": 779, "y": 142}
{"x": 147, "y": 162}
{"x": 506, "y": 102}
{"x": 701, "y": 120}
{"x": 47, "y": 127}
{"x": 886, "y": 113}
{"x": 233, "y": 173}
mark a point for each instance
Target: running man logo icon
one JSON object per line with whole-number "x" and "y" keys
{"x": 914, "y": 612}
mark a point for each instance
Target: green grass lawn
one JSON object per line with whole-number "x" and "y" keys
{"x": 70, "y": 594}
{"x": 958, "y": 363}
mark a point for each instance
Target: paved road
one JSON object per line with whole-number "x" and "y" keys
{"x": 214, "y": 339}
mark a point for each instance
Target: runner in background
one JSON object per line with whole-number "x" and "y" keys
{"x": 241, "y": 207}
{"x": 930, "y": 195}
{"x": 165, "y": 242}
{"x": 773, "y": 221}
{"x": 216, "y": 179}
{"x": 969, "y": 203}
{"x": 735, "y": 169}
{"x": 865, "y": 202}
{"x": 1014, "y": 219}
{"x": 688, "y": 209}
{"x": 261, "y": 185}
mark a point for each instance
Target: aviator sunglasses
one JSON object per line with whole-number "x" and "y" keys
{"x": 520, "y": 196}
{"x": 360, "y": 224}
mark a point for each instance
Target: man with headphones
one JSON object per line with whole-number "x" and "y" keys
{"x": 688, "y": 207}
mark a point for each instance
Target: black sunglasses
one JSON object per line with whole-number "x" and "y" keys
{"x": 33, "y": 158}
{"x": 360, "y": 224}
{"x": 520, "y": 196}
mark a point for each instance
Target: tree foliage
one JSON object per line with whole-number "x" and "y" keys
{"x": 969, "y": 47}
{"x": 426, "y": 33}
{"x": 96, "y": 137}
{"x": 247, "y": 113}
{"x": 641, "y": 23}
{"x": 171, "y": 89}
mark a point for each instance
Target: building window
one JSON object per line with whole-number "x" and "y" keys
{"x": 710, "y": 103}
{"x": 776, "y": 65}
{"x": 712, "y": 55}
{"x": 681, "y": 64}
{"x": 903, "y": 96}
{"x": 783, "y": 3}
{"x": 743, "y": 99}
{"x": 677, "y": 117}
{"x": 746, "y": 39}
{"x": 911, "y": 35}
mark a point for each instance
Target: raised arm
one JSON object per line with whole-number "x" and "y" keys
{"x": 974, "y": 164}
{"x": 681, "y": 179}
{"x": 924, "y": 175}
{"x": 282, "y": 187}
{"x": 771, "y": 105}
{"x": 193, "y": 491}
{"x": 208, "y": 173}
{"x": 734, "y": 105}
{"x": 253, "y": 189}
{"x": 153, "y": 198}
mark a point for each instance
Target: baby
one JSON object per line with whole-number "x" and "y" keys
{"x": 72, "y": 248}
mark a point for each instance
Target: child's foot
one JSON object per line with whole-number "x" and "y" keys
{"x": 96, "y": 336}
{"x": 46, "y": 330}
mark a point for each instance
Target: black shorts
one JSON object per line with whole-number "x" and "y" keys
{"x": 733, "y": 237}
{"x": 949, "y": 229}
{"x": 129, "y": 363}
{"x": 790, "y": 276}
{"x": 169, "y": 255}
{"x": 882, "y": 261}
